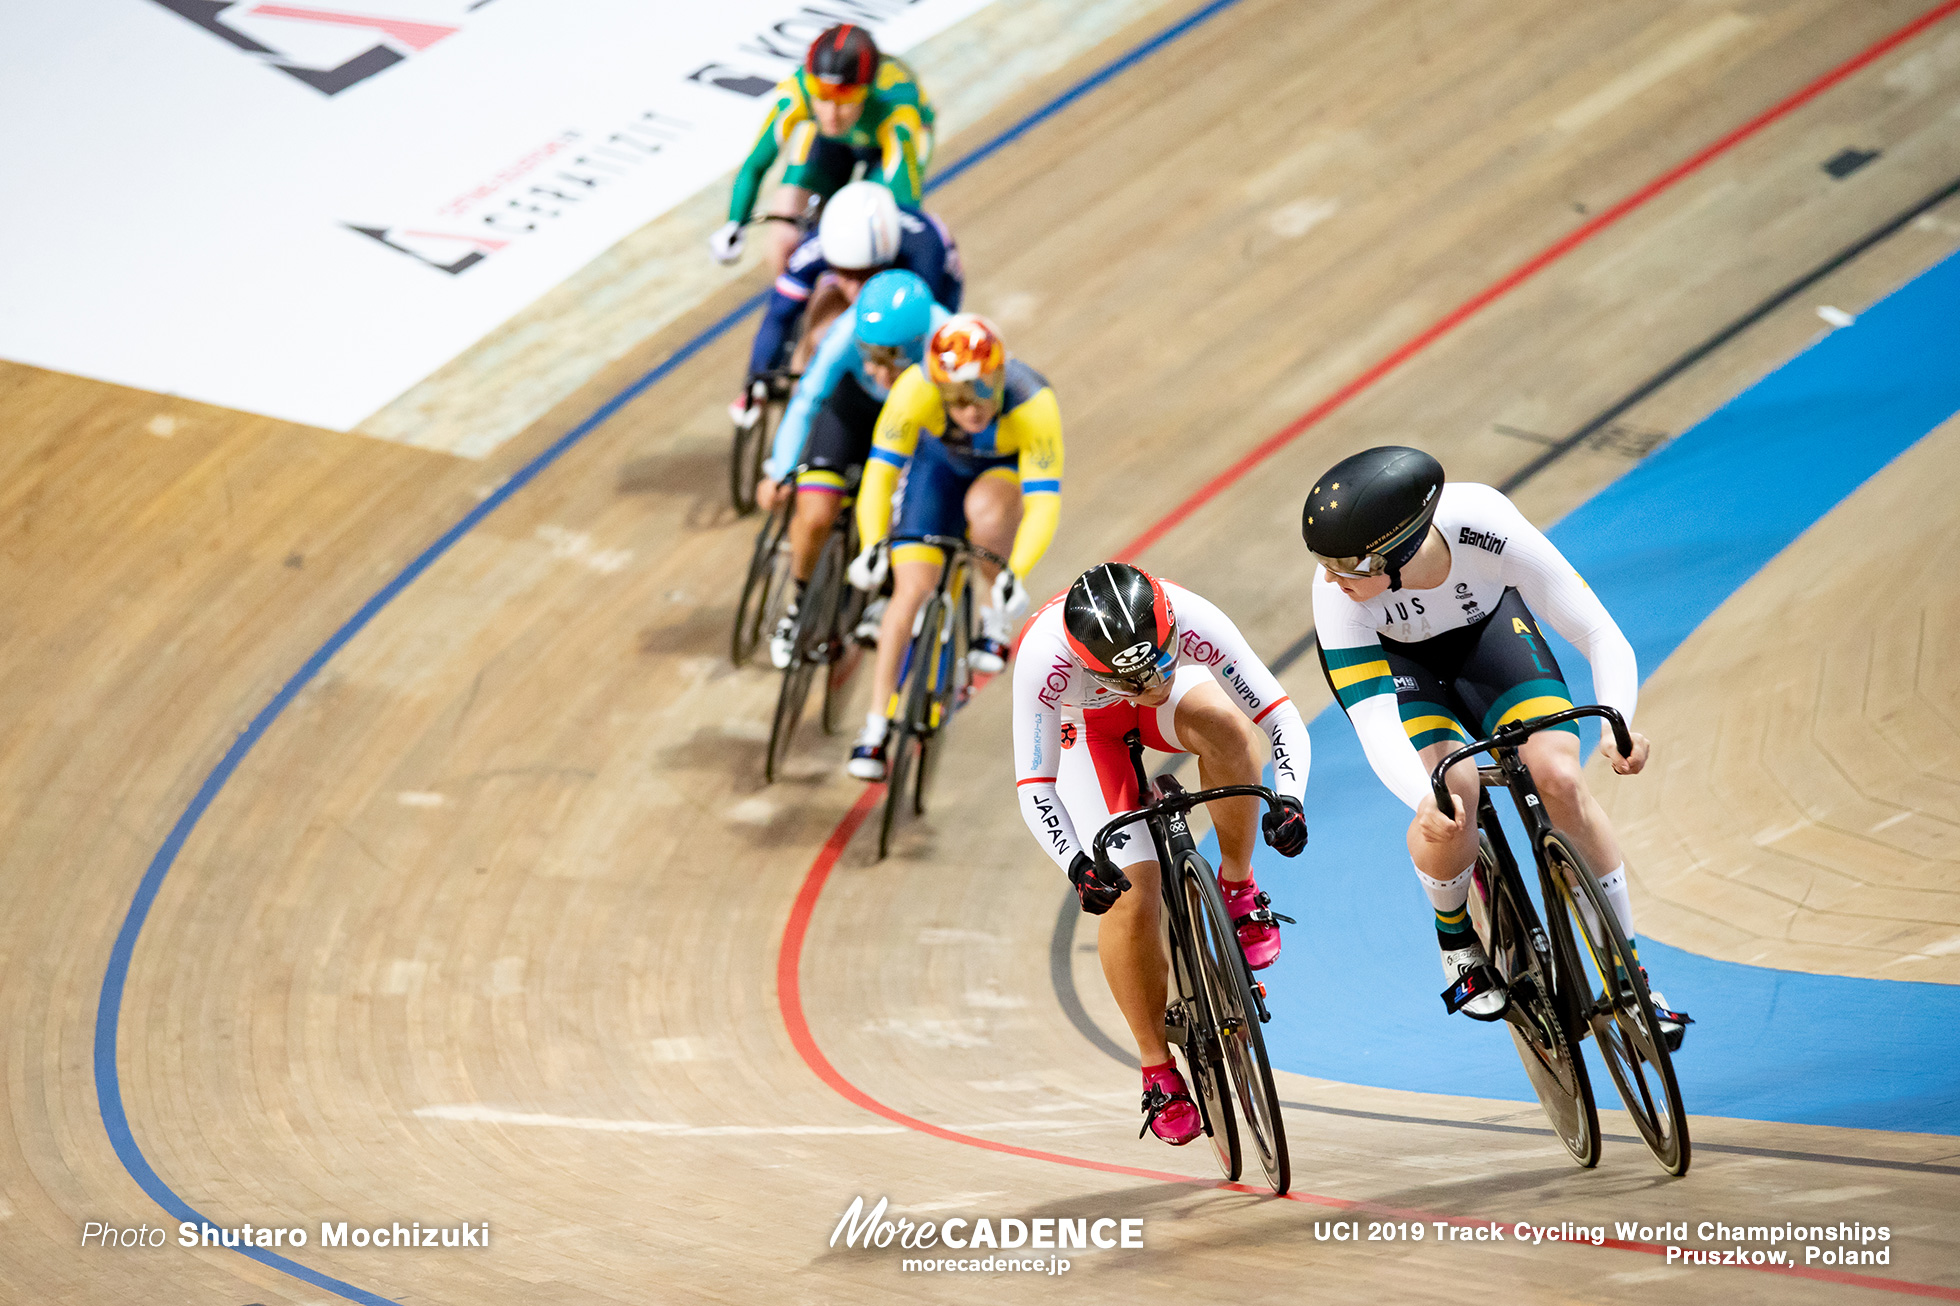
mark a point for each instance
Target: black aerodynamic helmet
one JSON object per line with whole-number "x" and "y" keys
{"x": 1368, "y": 514}
{"x": 1121, "y": 626}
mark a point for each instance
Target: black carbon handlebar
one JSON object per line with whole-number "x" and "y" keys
{"x": 1516, "y": 733}
{"x": 1182, "y": 801}
{"x": 949, "y": 543}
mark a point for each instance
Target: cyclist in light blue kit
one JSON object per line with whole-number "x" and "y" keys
{"x": 828, "y": 426}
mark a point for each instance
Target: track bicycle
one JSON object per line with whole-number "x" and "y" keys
{"x": 823, "y": 640}
{"x": 769, "y": 585}
{"x": 934, "y": 680}
{"x": 1556, "y": 994}
{"x": 1216, "y": 1007}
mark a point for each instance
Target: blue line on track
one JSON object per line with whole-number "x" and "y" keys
{"x": 108, "y": 1084}
{"x": 1664, "y": 546}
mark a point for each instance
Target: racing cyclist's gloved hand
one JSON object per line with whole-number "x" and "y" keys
{"x": 1010, "y": 596}
{"x": 726, "y": 242}
{"x": 1286, "y": 828}
{"x": 1097, "y": 891}
{"x": 867, "y": 570}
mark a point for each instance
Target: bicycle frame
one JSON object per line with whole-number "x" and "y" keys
{"x": 1163, "y": 814}
{"x": 952, "y": 580}
{"x": 1511, "y": 773}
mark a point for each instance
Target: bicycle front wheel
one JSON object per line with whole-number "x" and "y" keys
{"x": 949, "y": 676}
{"x": 766, "y": 589}
{"x": 809, "y": 651}
{"x": 907, "y": 737}
{"x": 1621, "y": 1011}
{"x": 1242, "y": 1044}
{"x": 751, "y": 448}
{"x": 1546, "y": 1041}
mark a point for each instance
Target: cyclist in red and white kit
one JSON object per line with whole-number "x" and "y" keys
{"x": 1123, "y": 650}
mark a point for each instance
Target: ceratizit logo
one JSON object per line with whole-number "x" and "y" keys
{"x": 377, "y": 42}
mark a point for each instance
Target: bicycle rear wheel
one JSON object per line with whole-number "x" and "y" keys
{"x": 907, "y": 737}
{"x": 1621, "y": 1011}
{"x": 1242, "y": 1044}
{"x": 1193, "y": 1014}
{"x": 1541, "y": 1033}
{"x": 809, "y": 651}
{"x": 766, "y": 589}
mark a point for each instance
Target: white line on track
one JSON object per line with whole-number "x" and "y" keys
{"x": 473, "y": 1113}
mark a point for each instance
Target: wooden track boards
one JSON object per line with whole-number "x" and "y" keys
{"x": 508, "y": 854}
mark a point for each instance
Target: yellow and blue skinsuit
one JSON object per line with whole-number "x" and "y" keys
{"x": 940, "y": 461}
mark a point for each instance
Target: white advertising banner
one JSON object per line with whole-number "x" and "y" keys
{"x": 302, "y": 211}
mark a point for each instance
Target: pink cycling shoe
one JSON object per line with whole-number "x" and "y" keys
{"x": 1168, "y": 1110}
{"x": 1257, "y": 925}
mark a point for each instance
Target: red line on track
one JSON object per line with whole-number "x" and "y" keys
{"x": 789, "y": 993}
{"x": 1517, "y": 276}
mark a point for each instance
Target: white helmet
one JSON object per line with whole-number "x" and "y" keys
{"x": 859, "y": 228}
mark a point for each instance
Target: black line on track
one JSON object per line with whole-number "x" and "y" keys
{"x": 1060, "y": 961}
{"x": 1674, "y": 369}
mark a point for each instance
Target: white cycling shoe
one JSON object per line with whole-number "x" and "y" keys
{"x": 1458, "y": 961}
{"x": 866, "y": 633}
{"x": 991, "y": 648}
{"x": 783, "y": 642}
{"x": 868, "y": 754}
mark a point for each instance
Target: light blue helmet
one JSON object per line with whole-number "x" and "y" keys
{"x": 895, "y": 310}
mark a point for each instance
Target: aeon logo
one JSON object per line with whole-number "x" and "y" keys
{"x": 397, "y": 37}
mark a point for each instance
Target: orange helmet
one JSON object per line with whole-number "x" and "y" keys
{"x": 966, "y": 359}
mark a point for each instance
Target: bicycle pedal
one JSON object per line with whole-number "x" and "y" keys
{"x": 1472, "y": 984}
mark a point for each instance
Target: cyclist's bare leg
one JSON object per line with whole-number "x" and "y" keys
{"x": 1443, "y": 849}
{"x": 1553, "y": 756}
{"x": 1228, "y": 751}
{"x": 1129, "y": 939}
{"x": 816, "y": 511}
{"x": 912, "y": 582}
{"x": 993, "y": 514}
{"x": 1554, "y": 759}
{"x": 780, "y": 239}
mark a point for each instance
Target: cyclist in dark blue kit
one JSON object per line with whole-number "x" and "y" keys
{"x": 863, "y": 232}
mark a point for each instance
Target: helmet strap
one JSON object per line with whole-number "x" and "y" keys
{"x": 1394, "y": 578}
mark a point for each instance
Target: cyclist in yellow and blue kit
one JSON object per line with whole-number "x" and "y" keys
{"x": 978, "y": 438}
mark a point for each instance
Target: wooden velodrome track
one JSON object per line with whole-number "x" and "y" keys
{"x": 486, "y": 923}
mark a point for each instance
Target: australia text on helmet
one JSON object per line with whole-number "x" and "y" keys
{"x": 868, "y": 1229}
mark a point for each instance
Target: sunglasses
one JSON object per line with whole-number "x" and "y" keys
{"x": 1365, "y": 567}
{"x": 1141, "y": 682}
{"x": 895, "y": 357}
{"x": 968, "y": 394}
{"x": 838, "y": 94}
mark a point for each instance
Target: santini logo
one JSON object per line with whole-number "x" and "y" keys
{"x": 1482, "y": 539}
{"x": 399, "y": 37}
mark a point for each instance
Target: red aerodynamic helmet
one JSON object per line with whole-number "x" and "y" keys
{"x": 842, "y": 63}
